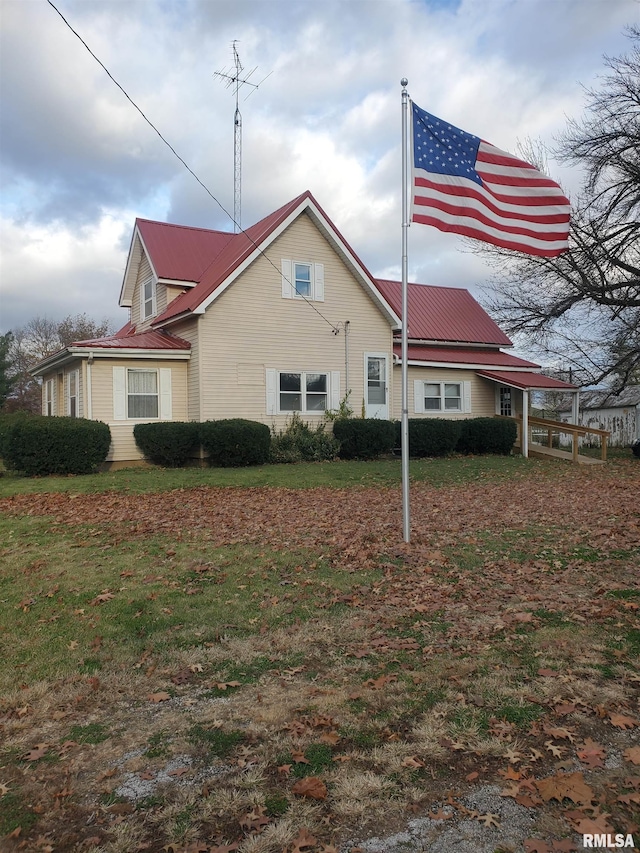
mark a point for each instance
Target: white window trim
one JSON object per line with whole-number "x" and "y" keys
{"x": 121, "y": 394}
{"x": 143, "y": 302}
{"x": 316, "y": 284}
{"x": 75, "y": 373}
{"x": 419, "y": 395}
{"x": 273, "y": 391}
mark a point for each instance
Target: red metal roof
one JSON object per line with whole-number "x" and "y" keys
{"x": 463, "y": 355}
{"x": 179, "y": 252}
{"x": 443, "y": 314}
{"x": 129, "y": 340}
{"x": 524, "y": 379}
{"x": 233, "y": 253}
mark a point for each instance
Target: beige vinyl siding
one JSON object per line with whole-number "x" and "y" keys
{"x": 123, "y": 446}
{"x": 251, "y": 328}
{"x": 483, "y": 400}
{"x": 144, "y": 271}
{"x": 190, "y": 331}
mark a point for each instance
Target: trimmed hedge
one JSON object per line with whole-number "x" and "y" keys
{"x": 235, "y": 442}
{"x": 487, "y": 435}
{"x": 38, "y": 446}
{"x": 6, "y": 422}
{"x": 430, "y": 436}
{"x": 364, "y": 438}
{"x": 168, "y": 443}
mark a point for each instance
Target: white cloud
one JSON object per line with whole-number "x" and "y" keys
{"x": 79, "y": 162}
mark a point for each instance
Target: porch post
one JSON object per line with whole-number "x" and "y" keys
{"x": 575, "y": 408}
{"x": 525, "y": 423}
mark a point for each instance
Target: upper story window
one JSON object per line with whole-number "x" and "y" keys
{"x": 302, "y": 280}
{"x": 148, "y": 299}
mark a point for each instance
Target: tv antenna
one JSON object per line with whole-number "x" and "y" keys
{"x": 233, "y": 79}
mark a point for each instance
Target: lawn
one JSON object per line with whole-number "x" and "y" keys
{"x": 253, "y": 660}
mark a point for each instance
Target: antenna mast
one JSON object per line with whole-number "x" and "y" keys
{"x": 233, "y": 79}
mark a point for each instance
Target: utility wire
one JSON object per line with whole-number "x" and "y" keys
{"x": 334, "y": 328}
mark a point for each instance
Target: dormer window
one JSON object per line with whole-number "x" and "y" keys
{"x": 148, "y": 299}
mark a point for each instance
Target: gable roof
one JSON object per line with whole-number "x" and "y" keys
{"x": 444, "y": 314}
{"x": 207, "y": 265}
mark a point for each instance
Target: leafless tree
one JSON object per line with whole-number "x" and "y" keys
{"x": 583, "y": 307}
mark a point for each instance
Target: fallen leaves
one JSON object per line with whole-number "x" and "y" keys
{"x": 311, "y": 787}
{"x": 570, "y": 786}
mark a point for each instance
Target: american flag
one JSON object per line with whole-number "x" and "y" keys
{"x": 465, "y": 185}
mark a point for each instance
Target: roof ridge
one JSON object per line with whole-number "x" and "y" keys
{"x": 184, "y": 227}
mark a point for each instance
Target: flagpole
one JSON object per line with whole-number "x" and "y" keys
{"x": 406, "y": 517}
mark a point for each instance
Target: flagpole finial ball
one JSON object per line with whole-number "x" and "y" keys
{"x": 404, "y": 82}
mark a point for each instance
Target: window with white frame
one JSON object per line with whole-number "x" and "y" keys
{"x": 49, "y": 397}
{"x": 302, "y": 280}
{"x": 442, "y": 397}
{"x": 148, "y": 299}
{"x": 303, "y": 392}
{"x": 142, "y": 393}
{"x": 72, "y": 394}
{"x": 433, "y": 397}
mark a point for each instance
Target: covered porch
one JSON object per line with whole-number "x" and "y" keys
{"x": 530, "y": 427}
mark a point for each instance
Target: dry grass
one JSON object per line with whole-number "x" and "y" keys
{"x": 219, "y": 671}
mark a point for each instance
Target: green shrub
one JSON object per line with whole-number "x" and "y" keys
{"x": 299, "y": 442}
{"x": 6, "y": 422}
{"x": 39, "y": 446}
{"x": 235, "y": 442}
{"x": 487, "y": 435}
{"x": 364, "y": 438}
{"x": 167, "y": 443}
{"x": 430, "y": 436}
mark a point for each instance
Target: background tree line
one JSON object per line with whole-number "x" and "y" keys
{"x": 21, "y": 348}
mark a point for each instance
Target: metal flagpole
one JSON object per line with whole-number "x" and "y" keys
{"x": 406, "y": 516}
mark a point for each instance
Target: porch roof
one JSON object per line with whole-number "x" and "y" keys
{"x": 527, "y": 380}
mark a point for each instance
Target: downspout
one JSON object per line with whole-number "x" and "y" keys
{"x": 346, "y": 359}
{"x": 89, "y": 395}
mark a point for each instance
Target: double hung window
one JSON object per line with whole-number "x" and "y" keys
{"x": 148, "y": 299}
{"x": 302, "y": 280}
{"x": 303, "y": 392}
{"x": 72, "y": 394}
{"x": 442, "y": 397}
{"x": 142, "y": 393}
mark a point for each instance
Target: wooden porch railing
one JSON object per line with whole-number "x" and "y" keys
{"x": 558, "y": 427}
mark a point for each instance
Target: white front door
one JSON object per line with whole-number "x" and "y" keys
{"x": 376, "y": 375}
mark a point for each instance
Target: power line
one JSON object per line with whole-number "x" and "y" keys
{"x": 334, "y": 328}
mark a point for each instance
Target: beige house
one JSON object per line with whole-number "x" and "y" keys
{"x": 278, "y": 319}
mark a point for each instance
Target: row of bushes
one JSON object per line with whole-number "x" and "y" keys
{"x": 38, "y": 446}
{"x": 238, "y": 442}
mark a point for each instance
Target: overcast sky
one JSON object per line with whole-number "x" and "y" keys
{"x": 79, "y": 163}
